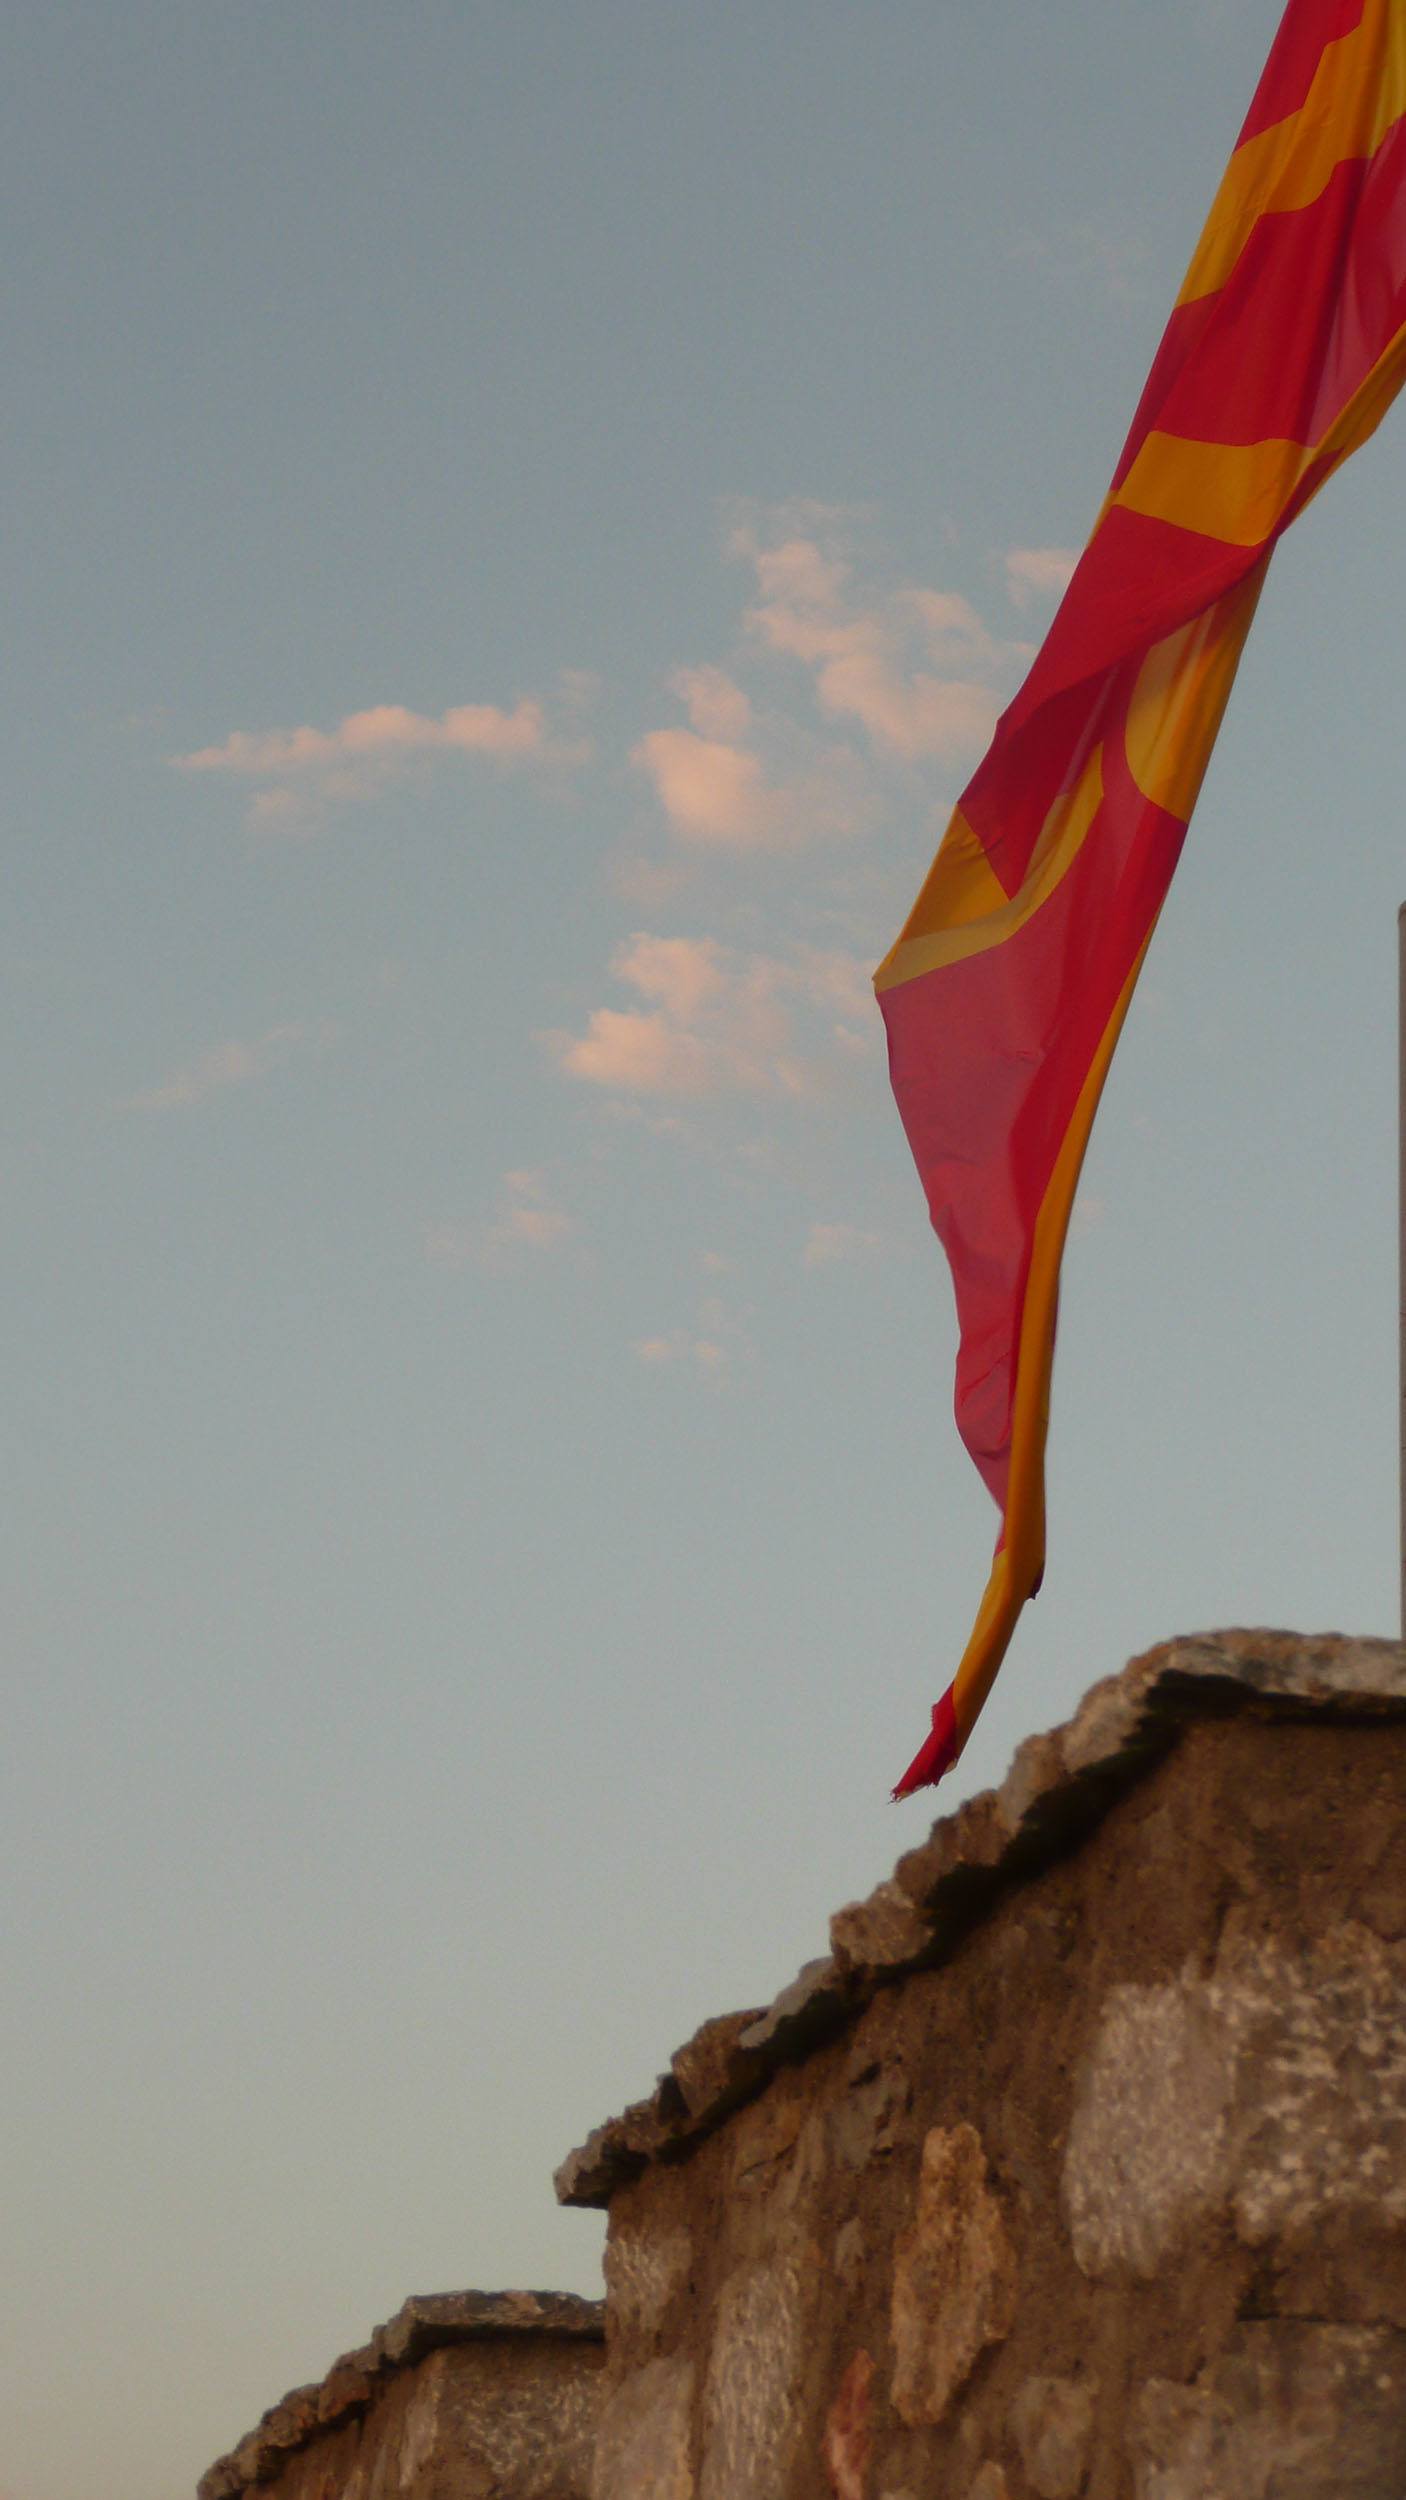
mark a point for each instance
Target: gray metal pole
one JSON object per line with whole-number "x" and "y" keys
{"x": 1401, "y": 1222}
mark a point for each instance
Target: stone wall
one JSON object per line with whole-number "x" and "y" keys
{"x": 1075, "y": 2170}
{"x": 1078, "y": 2166}
{"x": 463, "y": 2396}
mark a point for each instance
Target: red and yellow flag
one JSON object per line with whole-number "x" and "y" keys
{"x": 1008, "y": 984}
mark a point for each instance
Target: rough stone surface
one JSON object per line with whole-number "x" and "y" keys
{"x": 1275, "y": 2084}
{"x": 1059, "y": 1789}
{"x": 713, "y": 2069}
{"x": 1288, "y": 2410}
{"x": 848, "y": 2444}
{"x": 990, "y": 2484}
{"x": 851, "y": 2254}
{"x": 643, "y": 2442}
{"x": 644, "y": 2272}
{"x": 1052, "y": 2423}
{"x": 751, "y": 2414}
{"x": 954, "y": 2277}
{"x": 812, "y": 2009}
{"x": 868, "y": 2121}
{"x": 458, "y": 2386}
{"x": 1090, "y": 2132}
{"x": 1148, "y": 2140}
{"x": 885, "y": 1932}
{"x": 1157, "y": 2001}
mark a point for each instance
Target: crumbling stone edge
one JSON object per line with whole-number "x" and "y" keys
{"x": 1058, "y": 1788}
{"x": 424, "y": 2323}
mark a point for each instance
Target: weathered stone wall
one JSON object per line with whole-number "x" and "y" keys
{"x": 1079, "y": 2167}
{"x": 463, "y": 2396}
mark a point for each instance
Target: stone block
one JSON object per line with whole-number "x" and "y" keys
{"x": 713, "y": 2070}
{"x": 848, "y": 2441}
{"x": 812, "y": 2009}
{"x": 1052, "y": 2424}
{"x": 1273, "y": 2088}
{"x": 884, "y": 1933}
{"x": 643, "y": 2441}
{"x": 751, "y": 2409}
{"x": 1290, "y": 2410}
{"x": 645, "y": 2270}
{"x": 954, "y": 2280}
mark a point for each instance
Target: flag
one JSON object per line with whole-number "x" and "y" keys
{"x": 1005, "y": 991}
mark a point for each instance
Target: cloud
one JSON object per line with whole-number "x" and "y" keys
{"x": 526, "y": 1220}
{"x": 912, "y": 668}
{"x": 230, "y": 1063}
{"x": 709, "y": 1357}
{"x": 722, "y": 1022}
{"x": 718, "y": 795}
{"x": 306, "y": 771}
{"x": 717, "y": 705}
{"x": 710, "y": 1348}
{"x": 710, "y": 792}
{"x": 642, "y": 1054}
{"x": 1077, "y": 250}
{"x": 683, "y": 974}
{"x": 1037, "y": 575}
{"x": 833, "y": 1245}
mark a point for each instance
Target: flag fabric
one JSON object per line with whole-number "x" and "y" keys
{"x": 1005, "y": 991}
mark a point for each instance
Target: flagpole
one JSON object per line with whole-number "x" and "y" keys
{"x": 1401, "y": 1222}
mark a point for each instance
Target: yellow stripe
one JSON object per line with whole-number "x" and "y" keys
{"x": 1182, "y": 690}
{"x": 1358, "y": 91}
{"x": 961, "y": 886}
{"x": 924, "y": 942}
{"x": 1017, "y": 1567}
{"x": 1239, "y": 492}
{"x": 1231, "y": 491}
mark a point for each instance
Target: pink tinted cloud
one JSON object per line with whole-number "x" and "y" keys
{"x": 229, "y": 1064}
{"x": 871, "y": 661}
{"x": 631, "y": 1052}
{"x": 684, "y": 975}
{"x": 305, "y": 771}
{"x": 717, "y": 705}
{"x": 719, "y": 796}
{"x": 834, "y": 1245}
{"x": 720, "y": 1022}
{"x": 526, "y": 1219}
{"x": 710, "y": 791}
{"x": 709, "y": 1357}
{"x": 709, "y": 1348}
{"x": 1038, "y": 574}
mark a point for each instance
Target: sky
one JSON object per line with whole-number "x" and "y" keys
{"x": 521, "y": 520}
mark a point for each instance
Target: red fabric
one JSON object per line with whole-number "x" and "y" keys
{"x": 1289, "y": 72}
{"x": 936, "y": 1755}
{"x": 987, "y": 1057}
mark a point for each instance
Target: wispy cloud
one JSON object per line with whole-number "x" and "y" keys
{"x": 722, "y": 1022}
{"x": 303, "y": 772}
{"x": 716, "y": 794}
{"x": 230, "y": 1064}
{"x": 1038, "y": 576}
{"x": 681, "y": 1346}
{"x": 526, "y": 1221}
{"x": 1077, "y": 249}
{"x": 909, "y": 669}
{"x": 837, "y": 1245}
{"x": 717, "y": 706}
{"x": 711, "y": 1349}
{"x": 914, "y": 666}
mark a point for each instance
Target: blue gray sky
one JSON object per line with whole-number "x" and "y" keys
{"x": 521, "y": 518}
